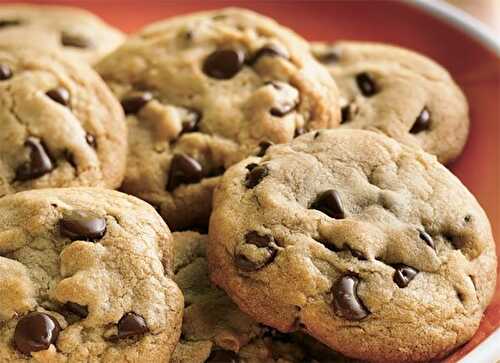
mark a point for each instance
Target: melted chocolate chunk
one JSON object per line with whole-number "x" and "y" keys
{"x": 346, "y": 302}
{"x": 131, "y": 325}
{"x": 35, "y": 332}
{"x": 223, "y": 64}
{"x": 39, "y": 164}
{"x": 329, "y": 202}
{"x": 366, "y": 84}
{"x": 255, "y": 176}
{"x": 183, "y": 170}
{"x": 422, "y": 122}
{"x": 5, "y": 72}
{"x": 59, "y": 95}
{"x": 403, "y": 275}
{"x": 134, "y": 101}
{"x": 82, "y": 225}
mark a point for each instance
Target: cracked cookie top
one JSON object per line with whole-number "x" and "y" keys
{"x": 73, "y": 31}
{"x": 85, "y": 276}
{"x": 205, "y": 90}
{"x": 59, "y": 124}
{"x": 370, "y": 246}
{"x": 400, "y": 93}
{"x": 215, "y": 330}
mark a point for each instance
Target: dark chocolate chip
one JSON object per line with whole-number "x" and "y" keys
{"x": 468, "y": 218}
{"x": 427, "y": 239}
{"x": 403, "y": 275}
{"x": 269, "y": 50}
{"x": 223, "y": 63}
{"x": 286, "y": 106}
{"x": 183, "y": 170}
{"x": 134, "y": 101}
{"x": 316, "y": 135}
{"x": 190, "y": 123}
{"x": 358, "y": 254}
{"x": 5, "y": 72}
{"x": 59, "y": 95}
{"x": 5, "y": 23}
{"x": 263, "y": 146}
{"x": 256, "y": 175}
{"x": 366, "y": 84}
{"x": 39, "y": 164}
{"x": 329, "y": 57}
{"x": 329, "y": 202}
{"x": 299, "y": 131}
{"x": 346, "y": 302}
{"x": 35, "y": 332}
{"x": 77, "y": 309}
{"x": 422, "y": 122}
{"x": 91, "y": 140}
{"x": 251, "y": 166}
{"x": 131, "y": 325}
{"x": 345, "y": 114}
{"x": 82, "y": 225}
{"x": 75, "y": 40}
{"x": 223, "y": 356}
{"x": 263, "y": 242}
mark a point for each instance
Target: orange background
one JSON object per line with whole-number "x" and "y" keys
{"x": 474, "y": 67}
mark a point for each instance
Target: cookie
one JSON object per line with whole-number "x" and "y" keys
{"x": 372, "y": 247}
{"x": 85, "y": 276}
{"x": 400, "y": 93}
{"x": 59, "y": 124}
{"x": 205, "y": 90}
{"x": 71, "y": 30}
{"x": 215, "y": 330}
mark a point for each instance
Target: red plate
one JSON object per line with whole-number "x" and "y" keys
{"x": 447, "y": 36}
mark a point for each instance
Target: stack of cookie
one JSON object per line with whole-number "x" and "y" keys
{"x": 313, "y": 219}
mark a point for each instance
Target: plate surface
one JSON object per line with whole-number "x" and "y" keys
{"x": 474, "y": 65}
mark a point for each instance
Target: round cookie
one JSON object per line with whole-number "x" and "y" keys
{"x": 215, "y": 330}
{"x": 59, "y": 124}
{"x": 372, "y": 247}
{"x": 71, "y": 30}
{"x": 202, "y": 92}
{"x": 85, "y": 276}
{"x": 400, "y": 93}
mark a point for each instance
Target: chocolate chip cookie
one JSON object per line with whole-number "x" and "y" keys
{"x": 216, "y": 330}
{"x": 59, "y": 124}
{"x": 370, "y": 246}
{"x": 73, "y": 31}
{"x": 399, "y": 93}
{"x": 205, "y": 90}
{"x": 85, "y": 276}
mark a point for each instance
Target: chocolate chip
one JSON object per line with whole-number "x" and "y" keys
{"x": 329, "y": 202}
{"x": 255, "y": 176}
{"x": 329, "y": 57}
{"x": 223, "y": 64}
{"x": 264, "y": 145}
{"x": 403, "y": 275}
{"x": 39, "y": 164}
{"x": 456, "y": 241}
{"x": 366, "y": 84}
{"x": 422, "y": 122}
{"x": 5, "y": 72}
{"x": 468, "y": 218}
{"x": 299, "y": 131}
{"x": 59, "y": 95}
{"x": 190, "y": 123}
{"x": 75, "y": 40}
{"x": 262, "y": 242}
{"x": 183, "y": 170}
{"x": 35, "y": 332}
{"x": 358, "y": 254}
{"x": 427, "y": 239}
{"x": 82, "y": 225}
{"x": 223, "y": 356}
{"x": 251, "y": 166}
{"x": 345, "y": 114}
{"x": 269, "y": 50}
{"x": 316, "y": 135}
{"x": 4, "y": 23}
{"x": 345, "y": 299}
{"x": 131, "y": 325}
{"x": 77, "y": 309}
{"x": 134, "y": 101}
{"x": 90, "y": 139}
